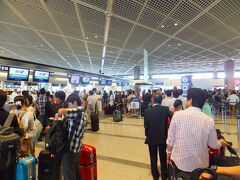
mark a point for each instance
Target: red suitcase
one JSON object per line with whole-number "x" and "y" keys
{"x": 88, "y": 163}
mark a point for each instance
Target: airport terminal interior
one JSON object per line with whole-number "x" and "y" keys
{"x": 126, "y": 53}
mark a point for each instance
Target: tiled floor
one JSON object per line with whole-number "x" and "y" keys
{"x": 121, "y": 152}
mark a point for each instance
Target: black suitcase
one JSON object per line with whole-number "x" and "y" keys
{"x": 94, "y": 121}
{"x": 226, "y": 161}
{"x": 49, "y": 167}
{"x": 117, "y": 116}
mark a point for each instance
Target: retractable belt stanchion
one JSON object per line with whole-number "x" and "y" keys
{"x": 224, "y": 118}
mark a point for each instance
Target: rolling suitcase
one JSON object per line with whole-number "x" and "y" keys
{"x": 26, "y": 168}
{"x": 88, "y": 163}
{"x": 117, "y": 116}
{"x": 49, "y": 167}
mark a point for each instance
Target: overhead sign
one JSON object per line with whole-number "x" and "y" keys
{"x": 18, "y": 74}
{"x": 41, "y": 76}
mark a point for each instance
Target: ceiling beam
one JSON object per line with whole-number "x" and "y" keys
{"x": 130, "y": 33}
{"x": 106, "y": 31}
{"x": 150, "y": 36}
{"x": 183, "y": 28}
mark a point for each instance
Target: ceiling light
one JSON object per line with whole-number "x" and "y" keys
{"x": 178, "y": 44}
{"x": 175, "y": 24}
{"x": 35, "y": 46}
{"x": 162, "y": 26}
{"x": 86, "y": 37}
{"x": 1, "y": 51}
{"x": 41, "y": 45}
{"x": 95, "y": 36}
{"x": 169, "y": 45}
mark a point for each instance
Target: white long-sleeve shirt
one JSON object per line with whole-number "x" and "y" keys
{"x": 190, "y": 133}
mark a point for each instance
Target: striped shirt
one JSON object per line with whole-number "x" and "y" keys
{"x": 76, "y": 128}
{"x": 190, "y": 133}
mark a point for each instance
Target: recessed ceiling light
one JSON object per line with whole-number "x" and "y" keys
{"x": 86, "y": 37}
{"x": 41, "y": 45}
{"x": 169, "y": 45}
{"x": 95, "y": 36}
{"x": 35, "y": 46}
{"x": 162, "y": 26}
{"x": 175, "y": 24}
{"x": 178, "y": 44}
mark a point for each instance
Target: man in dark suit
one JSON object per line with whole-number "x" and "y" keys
{"x": 156, "y": 126}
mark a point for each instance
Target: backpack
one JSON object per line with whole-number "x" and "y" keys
{"x": 57, "y": 138}
{"x": 9, "y": 143}
{"x": 49, "y": 109}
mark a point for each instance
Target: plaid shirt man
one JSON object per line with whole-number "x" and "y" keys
{"x": 41, "y": 101}
{"x": 77, "y": 131}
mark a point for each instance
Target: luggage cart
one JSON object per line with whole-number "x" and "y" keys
{"x": 135, "y": 108}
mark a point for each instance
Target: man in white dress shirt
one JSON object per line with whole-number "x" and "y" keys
{"x": 190, "y": 134}
{"x": 167, "y": 99}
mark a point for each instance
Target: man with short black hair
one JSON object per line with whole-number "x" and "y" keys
{"x": 190, "y": 134}
{"x": 156, "y": 125}
{"x": 70, "y": 159}
{"x": 41, "y": 102}
{"x": 60, "y": 97}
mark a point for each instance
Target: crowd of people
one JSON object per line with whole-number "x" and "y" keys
{"x": 181, "y": 129}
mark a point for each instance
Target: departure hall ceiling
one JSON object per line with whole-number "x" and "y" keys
{"x": 89, "y": 35}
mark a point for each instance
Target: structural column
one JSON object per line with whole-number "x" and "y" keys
{"x": 145, "y": 65}
{"x": 136, "y": 73}
{"x": 229, "y": 74}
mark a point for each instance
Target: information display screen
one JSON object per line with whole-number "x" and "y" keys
{"x": 75, "y": 79}
{"x": 102, "y": 82}
{"x": 41, "y": 76}
{"x": 18, "y": 74}
{"x": 108, "y": 82}
{"x": 121, "y": 83}
{"x": 85, "y": 80}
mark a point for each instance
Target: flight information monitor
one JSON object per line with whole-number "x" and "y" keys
{"x": 18, "y": 74}
{"x": 102, "y": 82}
{"x": 41, "y": 76}
{"x": 108, "y": 82}
{"x": 85, "y": 80}
{"x": 75, "y": 79}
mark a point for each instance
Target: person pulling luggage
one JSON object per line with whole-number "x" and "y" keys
{"x": 76, "y": 127}
{"x": 190, "y": 134}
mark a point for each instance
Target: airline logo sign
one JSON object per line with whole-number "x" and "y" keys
{"x": 21, "y": 73}
{"x": 41, "y": 75}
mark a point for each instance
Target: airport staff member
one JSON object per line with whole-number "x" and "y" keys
{"x": 156, "y": 125}
{"x": 190, "y": 134}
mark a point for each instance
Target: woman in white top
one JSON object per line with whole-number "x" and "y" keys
{"x": 25, "y": 120}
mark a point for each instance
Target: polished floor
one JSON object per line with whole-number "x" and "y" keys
{"x": 121, "y": 152}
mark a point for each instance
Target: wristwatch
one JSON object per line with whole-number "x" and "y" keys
{"x": 214, "y": 168}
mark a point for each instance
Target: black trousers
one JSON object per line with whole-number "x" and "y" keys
{"x": 70, "y": 166}
{"x": 154, "y": 150}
